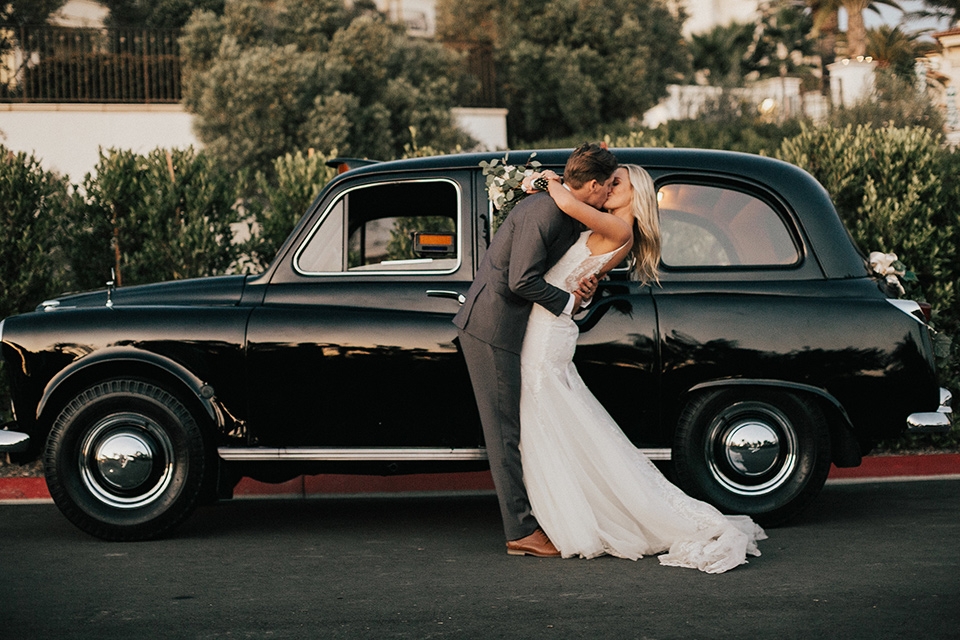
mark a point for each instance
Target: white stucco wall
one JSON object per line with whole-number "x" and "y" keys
{"x": 487, "y": 126}
{"x": 850, "y": 81}
{"x": 704, "y": 15}
{"x": 67, "y": 137}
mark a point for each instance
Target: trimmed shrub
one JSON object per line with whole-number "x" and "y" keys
{"x": 166, "y": 215}
{"x": 282, "y": 199}
{"x": 889, "y": 188}
{"x": 734, "y": 133}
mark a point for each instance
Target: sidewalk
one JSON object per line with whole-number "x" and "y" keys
{"x": 873, "y": 469}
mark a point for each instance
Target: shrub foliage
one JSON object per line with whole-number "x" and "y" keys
{"x": 166, "y": 215}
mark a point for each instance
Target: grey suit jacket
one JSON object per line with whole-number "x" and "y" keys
{"x": 532, "y": 239}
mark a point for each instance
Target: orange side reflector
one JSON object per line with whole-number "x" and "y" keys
{"x": 435, "y": 239}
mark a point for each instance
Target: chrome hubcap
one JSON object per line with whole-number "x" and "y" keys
{"x": 126, "y": 460}
{"x": 751, "y": 448}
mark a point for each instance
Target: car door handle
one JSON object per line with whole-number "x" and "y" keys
{"x": 453, "y": 295}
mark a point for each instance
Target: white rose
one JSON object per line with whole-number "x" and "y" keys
{"x": 882, "y": 263}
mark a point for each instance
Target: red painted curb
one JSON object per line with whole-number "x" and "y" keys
{"x": 893, "y": 466}
{"x": 871, "y": 467}
{"x": 23, "y": 489}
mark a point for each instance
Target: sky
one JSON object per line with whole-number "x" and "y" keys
{"x": 892, "y": 17}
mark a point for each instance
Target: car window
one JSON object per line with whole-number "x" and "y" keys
{"x": 710, "y": 226}
{"x": 390, "y": 227}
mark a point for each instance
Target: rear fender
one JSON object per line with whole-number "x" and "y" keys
{"x": 845, "y": 446}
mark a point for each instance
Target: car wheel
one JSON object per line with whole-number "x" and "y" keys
{"x": 125, "y": 460}
{"x": 761, "y": 453}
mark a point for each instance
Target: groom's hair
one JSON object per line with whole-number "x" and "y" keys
{"x": 589, "y": 161}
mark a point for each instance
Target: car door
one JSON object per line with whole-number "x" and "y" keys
{"x": 618, "y": 356}
{"x": 738, "y": 291}
{"x": 353, "y": 345}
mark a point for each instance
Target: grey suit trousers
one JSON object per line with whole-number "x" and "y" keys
{"x": 492, "y": 367}
{"x": 492, "y": 321}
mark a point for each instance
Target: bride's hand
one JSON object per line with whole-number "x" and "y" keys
{"x": 587, "y": 287}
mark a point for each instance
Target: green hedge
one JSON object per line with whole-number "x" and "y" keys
{"x": 734, "y": 133}
{"x": 165, "y": 215}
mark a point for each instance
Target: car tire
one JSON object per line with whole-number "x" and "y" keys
{"x": 762, "y": 453}
{"x": 125, "y": 460}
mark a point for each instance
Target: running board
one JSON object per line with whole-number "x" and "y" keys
{"x": 341, "y": 454}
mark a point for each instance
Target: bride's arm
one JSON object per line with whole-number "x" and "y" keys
{"x": 605, "y": 224}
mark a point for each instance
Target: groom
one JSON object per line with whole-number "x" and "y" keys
{"x": 493, "y": 320}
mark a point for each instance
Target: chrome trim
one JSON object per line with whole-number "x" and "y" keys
{"x": 751, "y": 448}
{"x": 946, "y": 400}
{"x": 426, "y": 272}
{"x": 1, "y": 338}
{"x": 938, "y": 421}
{"x": 124, "y": 460}
{"x": 756, "y": 465}
{"x": 453, "y": 295}
{"x": 106, "y": 449}
{"x": 48, "y": 305}
{"x": 911, "y": 308}
{"x": 13, "y": 441}
{"x": 315, "y": 454}
{"x": 928, "y": 422}
{"x": 253, "y": 454}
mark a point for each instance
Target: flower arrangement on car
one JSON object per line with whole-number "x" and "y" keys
{"x": 894, "y": 272}
{"x": 503, "y": 184}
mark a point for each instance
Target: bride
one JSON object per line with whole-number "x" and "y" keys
{"x": 591, "y": 490}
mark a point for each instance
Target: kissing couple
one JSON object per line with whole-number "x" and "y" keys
{"x": 568, "y": 480}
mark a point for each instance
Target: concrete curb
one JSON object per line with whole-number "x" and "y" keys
{"x": 877, "y": 468}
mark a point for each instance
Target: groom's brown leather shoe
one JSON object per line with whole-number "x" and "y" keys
{"x": 536, "y": 544}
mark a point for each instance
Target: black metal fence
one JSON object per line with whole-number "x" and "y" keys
{"x": 58, "y": 64}
{"x": 61, "y": 64}
{"x": 480, "y": 87}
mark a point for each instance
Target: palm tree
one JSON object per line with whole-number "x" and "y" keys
{"x": 939, "y": 9}
{"x": 824, "y": 14}
{"x": 896, "y": 50}
{"x": 719, "y": 53}
{"x": 826, "y": 26}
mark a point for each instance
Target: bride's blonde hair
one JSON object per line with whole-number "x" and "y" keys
{"x": 646, "y": 225}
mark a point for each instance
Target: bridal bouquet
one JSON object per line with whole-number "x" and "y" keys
{"x": 503, "y": 184}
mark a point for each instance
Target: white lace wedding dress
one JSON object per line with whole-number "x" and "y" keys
{"x": 592, "y": 491}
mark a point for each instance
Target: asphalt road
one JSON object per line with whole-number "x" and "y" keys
{"x": 876, "y": 560}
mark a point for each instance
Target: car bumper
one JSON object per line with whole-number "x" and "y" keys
{"x": 13, "y": 441}
{"x": 938, "y": 421}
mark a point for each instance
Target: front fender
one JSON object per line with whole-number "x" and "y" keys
{"x": 121, "y": 359}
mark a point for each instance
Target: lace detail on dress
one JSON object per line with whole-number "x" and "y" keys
{"x": 592, "y": 491}
{"x": 576, "y": 264}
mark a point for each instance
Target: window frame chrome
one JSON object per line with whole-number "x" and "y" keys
{"x": 380, "y": 272}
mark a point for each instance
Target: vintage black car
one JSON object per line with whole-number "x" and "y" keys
{"x": 766, "y": 352}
